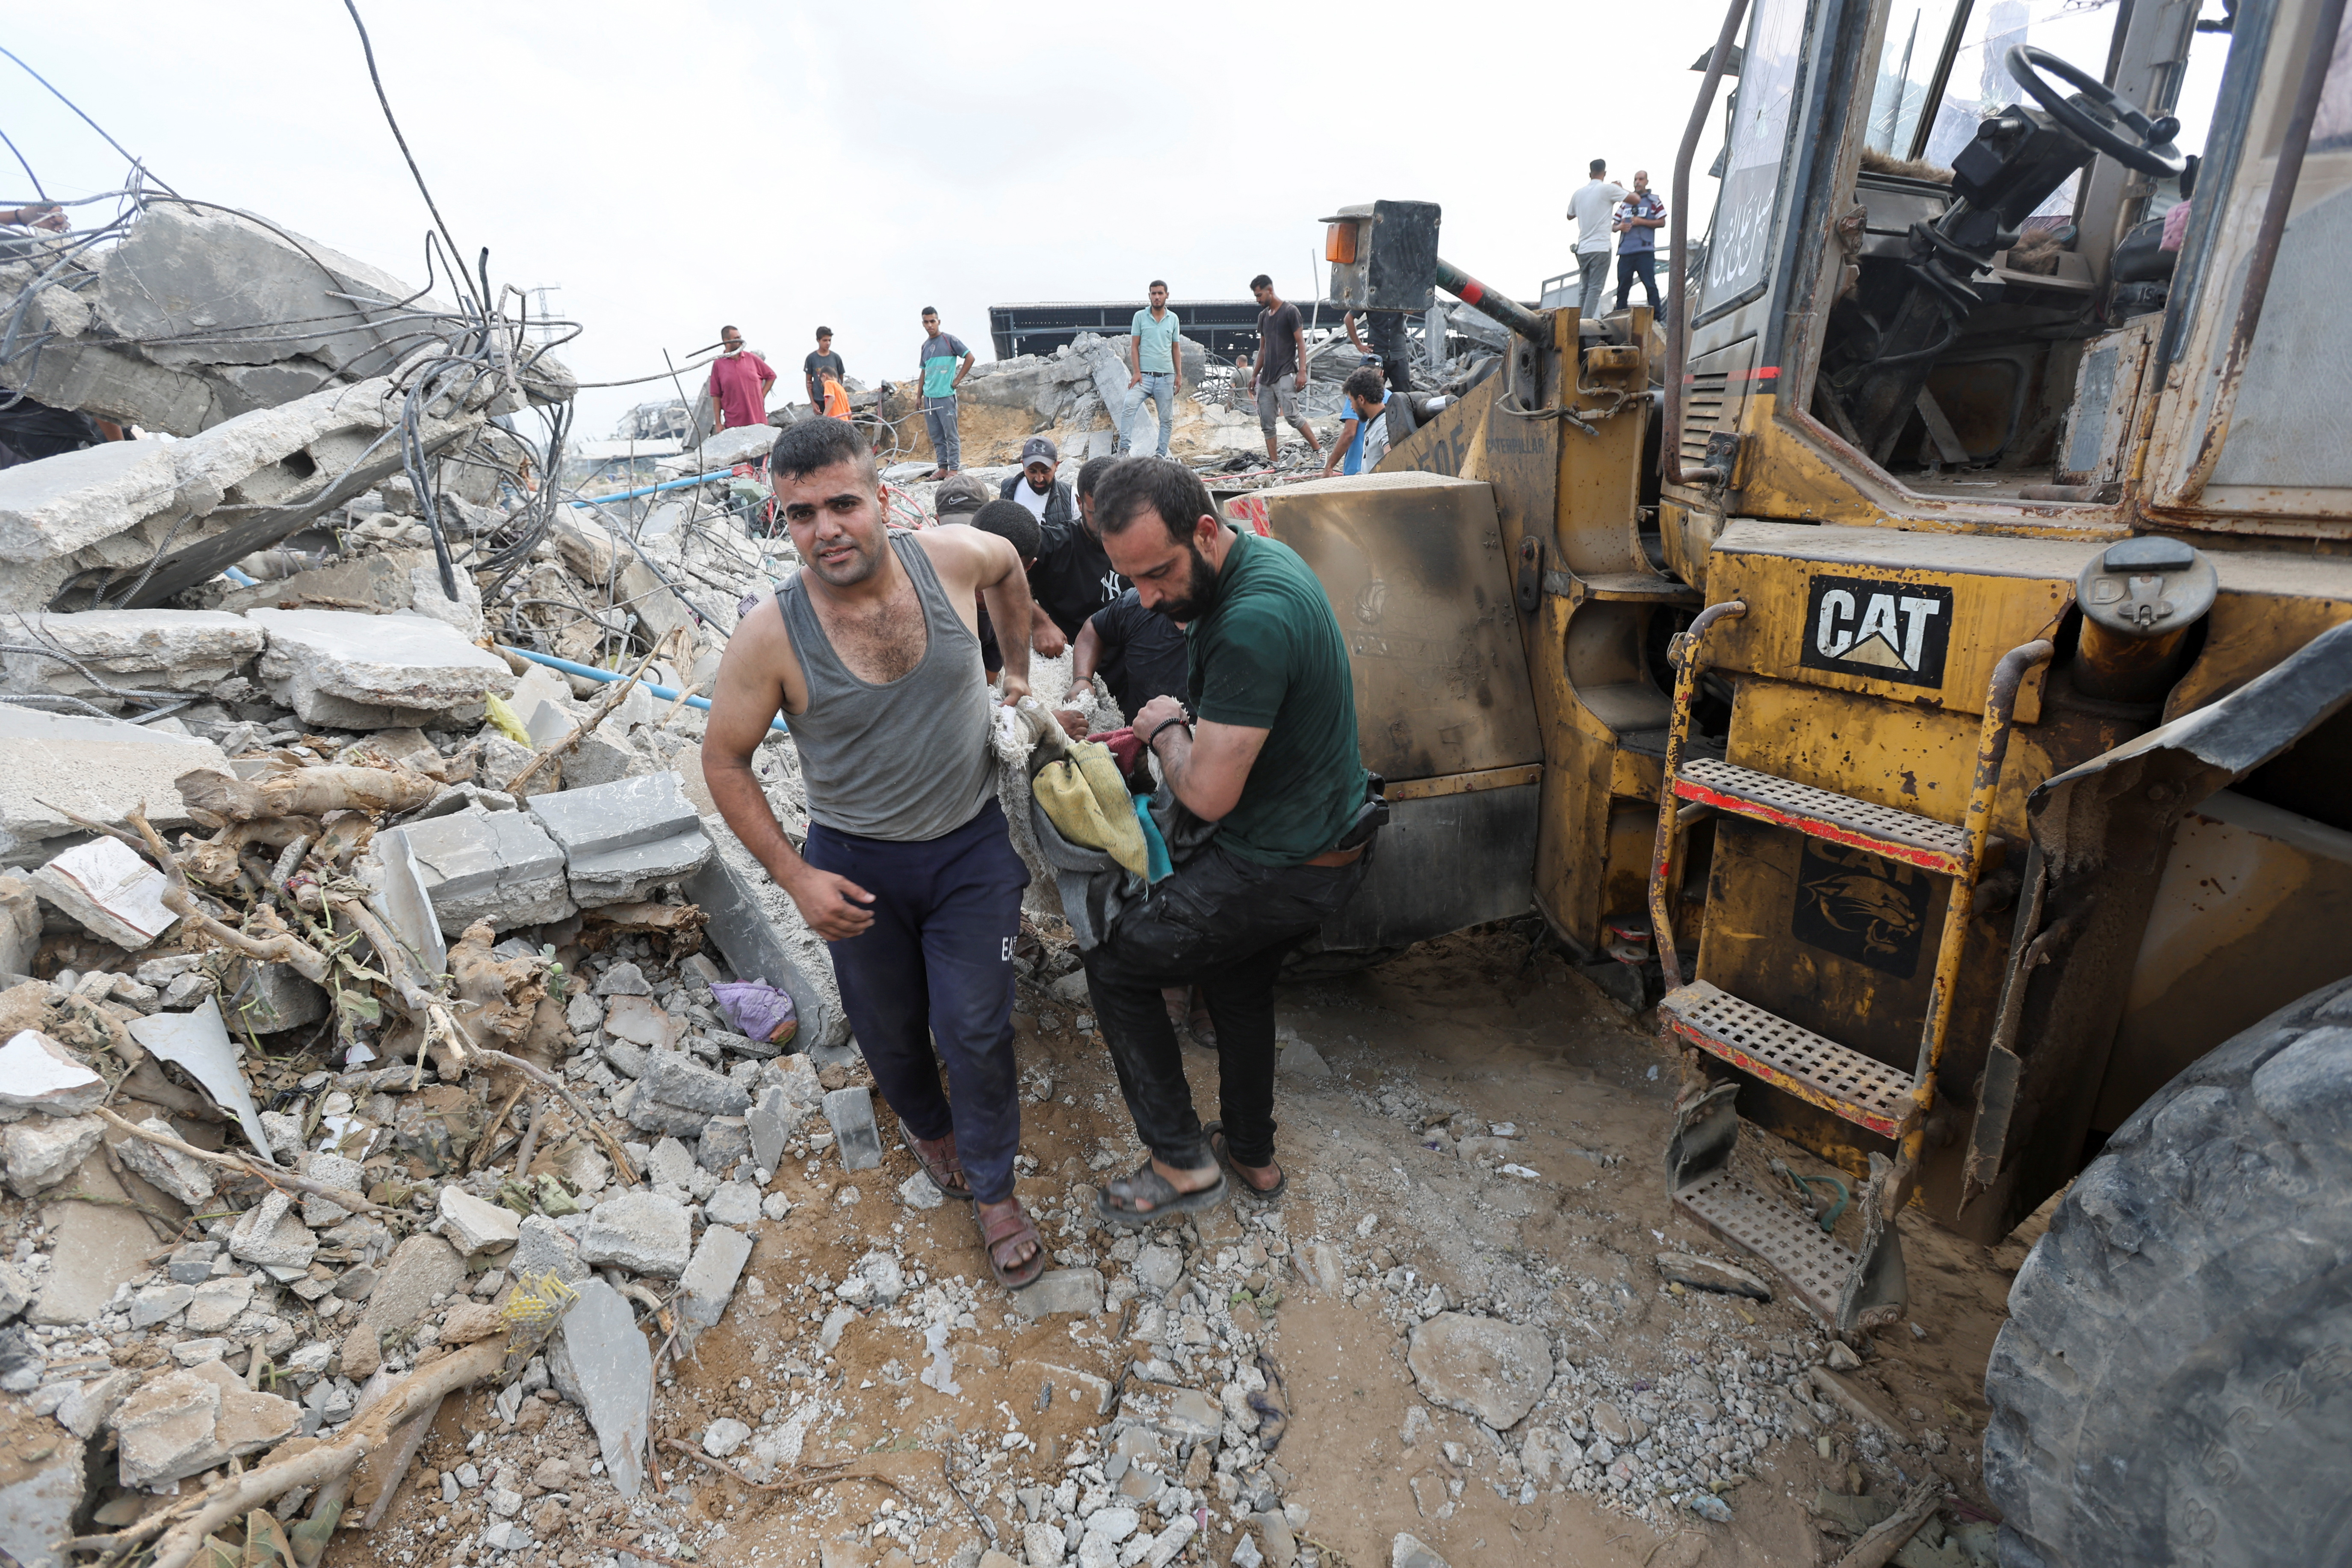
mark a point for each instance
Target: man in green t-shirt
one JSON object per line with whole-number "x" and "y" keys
{"x": 1267, "y": 753}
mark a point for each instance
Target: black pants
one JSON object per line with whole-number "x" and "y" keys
{"x": 930, "y": 981}
{"x": 1224, "y": 924}
{"x": 1641, "y": 265}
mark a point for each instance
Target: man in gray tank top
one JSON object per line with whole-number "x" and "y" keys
{"x": 872, "y": 653}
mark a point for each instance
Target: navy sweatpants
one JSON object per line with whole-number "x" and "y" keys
{"x": 935, "y": 969}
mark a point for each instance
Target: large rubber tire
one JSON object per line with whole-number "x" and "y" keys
{"x": 2174, "y": 1383}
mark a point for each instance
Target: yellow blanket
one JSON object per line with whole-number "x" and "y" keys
{"x": 1086, "y": 800}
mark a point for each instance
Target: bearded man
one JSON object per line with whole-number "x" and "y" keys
{"x": 1266, "y": 750}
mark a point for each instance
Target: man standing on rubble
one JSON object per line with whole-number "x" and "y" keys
{"x": 908, "y": 872}
{"x": 941, "y": 375}
{"x": 1281, "y": 364}
{"x": 740, "y": 381}
{"x": 1268, "y": 754}
{"x": 1595, "y": 208}
{"x": 1153, "y": 356}
{"x": 1639, "y": 217}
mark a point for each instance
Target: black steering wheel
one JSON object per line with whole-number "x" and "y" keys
{"x": 2153, "y": 154}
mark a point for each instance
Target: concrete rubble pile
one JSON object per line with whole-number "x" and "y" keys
{"x": 302, "y": 383}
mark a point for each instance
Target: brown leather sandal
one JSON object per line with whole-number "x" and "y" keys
{"x": 940, "y": 1161}
{"x": 1010, "y": 1225}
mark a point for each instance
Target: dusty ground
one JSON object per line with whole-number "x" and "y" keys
{"x": 1450, "y": 1038}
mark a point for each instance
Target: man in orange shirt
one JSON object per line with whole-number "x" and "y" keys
{"x": 740, "y": 380}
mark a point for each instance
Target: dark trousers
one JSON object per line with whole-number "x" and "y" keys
{"x": 935, "y": 971}
{"x": 1223, "y": 923}
{"x": 1641, "y": 265}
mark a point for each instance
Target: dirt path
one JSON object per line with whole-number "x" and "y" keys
{"x": 1482, "y": 1148}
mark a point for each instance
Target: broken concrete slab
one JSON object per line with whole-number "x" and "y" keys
{"x": 601, "y": 1363}
{"x": 217, "y": 1303}
{"x": 42, "y": 1150}
{"x": 375, "y": 672}
{"x": 174, "y": 650}
{"x": 1483, "y": 1366}
{"x": 183, "y": 1177}
{"x": 37, "y": 1073}
{"x": 771, "y": 1122}
{"x": 642, "y": 1110}
{"x": 477, "y": 1224}
{"x": 112, "y": 892}
{"x": 638, "y": 1020}
{"x": 754, "y": 924}
{"x": 621, "y": 840}
{"x": 238, "y": 487}
{"x": 494, "y": 865}
{"x": 419, "y": 1269}
{"x": 39, "y": 1497}
{"x": 725, "y": 1139}
{"x": 643, "y": 1232}
{"x": 704, "y": 1289}
{"x": 185, "y": 1423}
{"x": 56, "y": 506}
{"x": 198, "y": 1042}
{"x": 734, "y": 1203}
{"x": 1058, "y": 1292}
{"x": 264, "y": 998}
{"x": 541, "y": 1248}
{"x": 395, "y": 581}
{"x": 94, "y": 1247}
{"x": 102, "y": 769}
{"x": 272, "y": 1235}
{"x": 676, "y": 1079}
{"x": 669, "y": 1163}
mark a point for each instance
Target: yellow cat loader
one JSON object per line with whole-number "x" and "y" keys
{"x": 1921, "y": 672}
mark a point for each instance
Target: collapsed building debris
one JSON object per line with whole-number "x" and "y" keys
{"x": 386, "y": 1018}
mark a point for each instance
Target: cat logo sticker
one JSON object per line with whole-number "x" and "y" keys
{"x": 1888, "y": 631}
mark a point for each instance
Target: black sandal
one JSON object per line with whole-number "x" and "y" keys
{"x": 1241, "y": 1183}
{"x": 1115, "y": 1207}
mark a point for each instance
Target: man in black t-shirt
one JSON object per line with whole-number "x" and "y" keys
{"x": 823, "y": 362}
{"x": 1140, "y": 654}
{"x": 1281, "y": 364}
{"x": 1073, "y": 577}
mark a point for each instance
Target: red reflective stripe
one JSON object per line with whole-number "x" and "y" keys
{"x": 1768, "y": 373}
{"x": 1473, "y": 292}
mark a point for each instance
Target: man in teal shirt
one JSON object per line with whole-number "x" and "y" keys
{"x": 1151, "y": 357}
{"x": 941, "y": 376}
{"x": 1267, "y": 753}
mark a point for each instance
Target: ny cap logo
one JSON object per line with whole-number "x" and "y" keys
{"x": 1886, "y": 629}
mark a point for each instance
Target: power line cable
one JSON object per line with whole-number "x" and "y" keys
{"x": 86, "y": 119}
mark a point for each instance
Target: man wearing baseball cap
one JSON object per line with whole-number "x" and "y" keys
{"x": 1071, "y": 578}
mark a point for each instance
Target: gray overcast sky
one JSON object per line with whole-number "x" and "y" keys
{"x": 675, "y": 166}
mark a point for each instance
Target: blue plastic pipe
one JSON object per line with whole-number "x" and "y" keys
{"x": 593, "y": 673}
{"x": 654, "y": 489}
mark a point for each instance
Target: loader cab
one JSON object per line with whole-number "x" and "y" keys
{"x": 1947, "y": 275}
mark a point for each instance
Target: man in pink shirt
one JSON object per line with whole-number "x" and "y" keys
{"x": 740, "y": 380}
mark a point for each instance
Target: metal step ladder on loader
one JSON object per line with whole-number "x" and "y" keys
{"x": 1847, "y": 1292}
